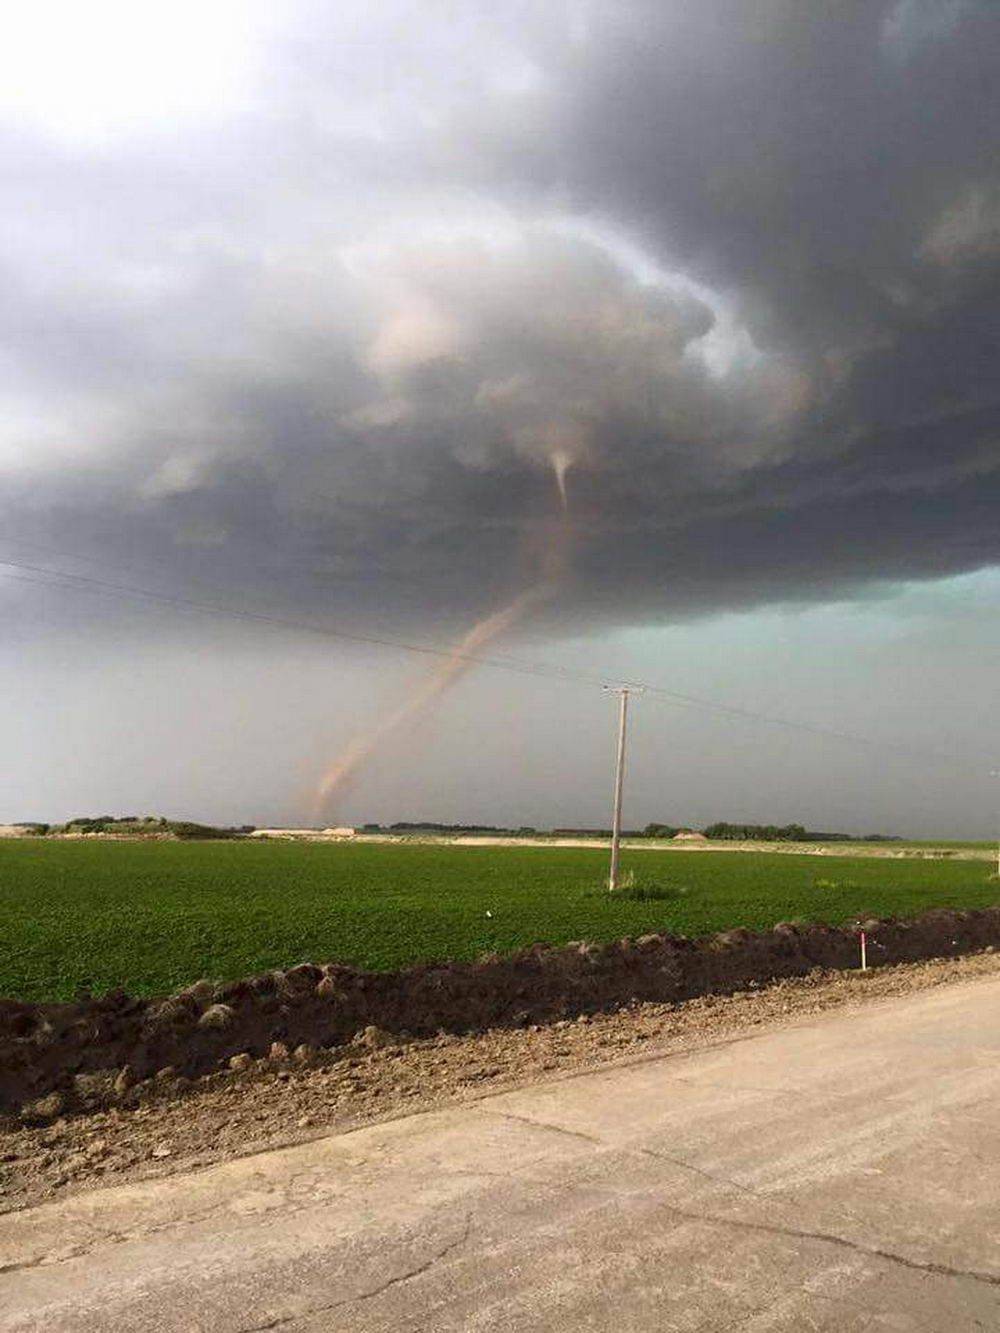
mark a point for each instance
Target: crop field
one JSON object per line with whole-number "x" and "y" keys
{"x": 155, "y": 916}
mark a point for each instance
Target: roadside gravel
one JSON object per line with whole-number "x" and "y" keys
{"x": 294, "y": 1096}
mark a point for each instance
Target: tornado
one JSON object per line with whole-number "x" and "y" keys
{"x": 554, "y": 555}
{"x": 560, "y": 465}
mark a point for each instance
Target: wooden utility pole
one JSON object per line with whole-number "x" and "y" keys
{"x": 623, "y": 692}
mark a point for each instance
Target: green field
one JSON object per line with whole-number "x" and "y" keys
{"x": 155, "y": 916}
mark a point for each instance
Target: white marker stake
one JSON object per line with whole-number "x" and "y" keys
{"x": 864, "y": 953}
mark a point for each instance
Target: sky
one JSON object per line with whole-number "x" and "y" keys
{"x": 606, "y": 340}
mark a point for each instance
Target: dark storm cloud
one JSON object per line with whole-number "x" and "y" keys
{"x": 738, "y": 263}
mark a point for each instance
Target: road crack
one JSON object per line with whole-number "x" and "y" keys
{"x": 926, "y": 1266}
{"x": 545, "y": 1124}
{"x": 646, "y": 1152}
{"x": 418, "y": 1270}
{"x": 698, "y": 1171}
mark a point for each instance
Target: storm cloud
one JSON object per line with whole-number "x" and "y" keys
{"x": 314, "y": 348}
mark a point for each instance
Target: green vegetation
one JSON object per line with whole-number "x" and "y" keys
{"x": 645, "y": 891}
{"x": 135, "y": 826}
{"x": 782, "y": 833}
{"x": 408, "y": 827}
{"x": 152, "y": 916}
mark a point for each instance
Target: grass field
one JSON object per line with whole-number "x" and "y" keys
{"x": 155, "y": 916}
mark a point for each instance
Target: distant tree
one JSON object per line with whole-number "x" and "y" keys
{"x": 582, "y": 832}
{"x": 771, "y": 833}
{"x": 405, "y": 826}
{"x": 184, "y": 828}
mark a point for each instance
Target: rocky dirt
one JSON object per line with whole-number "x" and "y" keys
{"x": 98, "y": 1053}
{"x": 172, "y": 1124}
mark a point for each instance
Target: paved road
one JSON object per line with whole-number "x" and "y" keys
{"x": 840, "y": 1174}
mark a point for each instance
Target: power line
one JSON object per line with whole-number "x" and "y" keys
{"x": 44, "y": 576}
{"x": 86, "y": 582}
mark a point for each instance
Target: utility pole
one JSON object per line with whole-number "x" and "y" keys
{"x": 995, "y": 773}
{"x": 623, "y": 692}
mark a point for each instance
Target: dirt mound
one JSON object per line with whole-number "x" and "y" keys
{"x": 59, "y": 1058}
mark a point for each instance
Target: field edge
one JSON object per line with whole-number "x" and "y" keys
{"x": 67, "y": 1057}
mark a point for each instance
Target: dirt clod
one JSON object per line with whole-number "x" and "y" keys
{"x": 216, "y": 1016}
{"x": 372, "y": 1038}
{"x": 45, "y": 1108}
{"x": 125, "y": 1079}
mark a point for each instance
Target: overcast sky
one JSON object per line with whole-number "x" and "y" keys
{"x": 303, "y": 309}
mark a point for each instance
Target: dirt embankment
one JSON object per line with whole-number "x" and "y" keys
{"x": 285, "y": 1098}
{"x": 60, "y": 1058}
